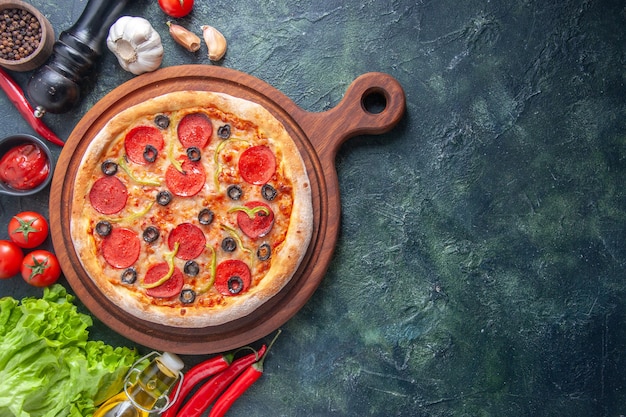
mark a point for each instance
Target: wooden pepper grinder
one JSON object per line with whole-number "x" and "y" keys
{"x": 56, "y": 86}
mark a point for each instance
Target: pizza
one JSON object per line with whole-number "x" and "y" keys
{"x": 191, "y": 209}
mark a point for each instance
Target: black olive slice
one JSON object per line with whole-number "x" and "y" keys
{"x": 103, "y": 228}
{"x": 229, "y": 244}
{"x": 150, "y": 234}
{"x": 235, "y": 284}
{"x": 269, "y": 193}
{"x": 162, "y": 121}
{"x": 194, "y": 154}
{"x": 264, "y": 252}
{"x": 187, "y": 296}
{"x": 223, "y": 132}
{"x": 150, "y": 153}
{"x": 129, "y": 276}
{"x": 234, "y": 192}
{"x": 164, "y": 197}
{"x": 205, "y": 216}
{"x": 109, "y": 167}
{"x": 191, "y": 268}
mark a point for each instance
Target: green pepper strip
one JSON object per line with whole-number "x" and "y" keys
{"x": 170, "y": 155}
{"x": 235, "y": 235}
{"x": 169, "y": 258}
{"x": 124, "y": 165}
{"x": 251, "y": 212}
{"x": 133, "y": 216}
{"x": 211, "y": 281}
{"x": 216, "y": 175}
{"x": 218, "y": 166}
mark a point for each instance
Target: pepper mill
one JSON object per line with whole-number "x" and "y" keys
{"x": 56, "y": 86}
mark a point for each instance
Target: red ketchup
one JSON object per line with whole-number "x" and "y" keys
{"x": 24, "y": 167}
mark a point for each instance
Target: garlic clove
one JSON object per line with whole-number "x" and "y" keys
{"x": 187, "y": 39}
{"x": 215, "y": 41}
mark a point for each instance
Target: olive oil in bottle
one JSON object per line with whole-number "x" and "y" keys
{"x": 140, "y": 396}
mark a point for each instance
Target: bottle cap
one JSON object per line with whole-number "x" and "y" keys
{"x": 172, "y": 362}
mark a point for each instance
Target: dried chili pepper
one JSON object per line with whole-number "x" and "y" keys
{"x": 249, "y": 376}
{"x": 201, "y": 371}
{"x": 16, "y": 95}
{"x": 211, "y": 389}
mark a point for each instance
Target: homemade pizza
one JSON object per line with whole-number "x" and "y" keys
{"x": 191, "y": 209}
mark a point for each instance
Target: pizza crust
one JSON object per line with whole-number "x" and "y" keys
{"x": 283, "y": 266}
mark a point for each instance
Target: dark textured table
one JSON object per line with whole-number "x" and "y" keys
{"x": 480, "y": 263}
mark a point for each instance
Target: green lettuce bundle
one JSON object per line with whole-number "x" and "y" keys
{"x": 48, "y": 367}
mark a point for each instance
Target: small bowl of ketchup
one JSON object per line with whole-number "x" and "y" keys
{"x": 25, "y": 165}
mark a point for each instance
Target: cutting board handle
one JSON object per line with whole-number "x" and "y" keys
{"x": 373, "y": 104}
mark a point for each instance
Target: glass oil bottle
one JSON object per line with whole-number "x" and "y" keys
{"x": 144, "y": 388}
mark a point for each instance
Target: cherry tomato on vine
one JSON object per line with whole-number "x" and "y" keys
{"x": 176, "y": 8}
{"x": 11, "y": 257}
{"x": 28, "y": 229}
{"x": 40, "y": 268}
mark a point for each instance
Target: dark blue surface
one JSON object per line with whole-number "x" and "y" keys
{"x": 480, "y": 264}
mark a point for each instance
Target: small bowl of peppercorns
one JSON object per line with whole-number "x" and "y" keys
{"x": 26, "y": 36}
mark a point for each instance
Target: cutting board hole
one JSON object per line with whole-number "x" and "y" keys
{"x": 374, "y": 101}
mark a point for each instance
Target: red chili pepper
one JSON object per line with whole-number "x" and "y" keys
{"x": 196, "y": 374}
{"x": 210, "y": 390}
{"x": 16, "y": 95}
{"x": 241, "y": 384}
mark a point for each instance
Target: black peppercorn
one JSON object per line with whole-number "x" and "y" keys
{"x": 20, "y": 34}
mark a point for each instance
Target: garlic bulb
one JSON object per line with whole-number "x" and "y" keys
{"x": 136, "y": 44}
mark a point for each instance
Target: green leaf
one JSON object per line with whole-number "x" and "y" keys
{"x": 48, "y": 365}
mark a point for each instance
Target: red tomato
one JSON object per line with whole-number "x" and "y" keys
{"x": 10, "y": 259}
{"x": 28, "y": 229}
{"x": 176, "y": 8}
{"x": 40, "y": 268}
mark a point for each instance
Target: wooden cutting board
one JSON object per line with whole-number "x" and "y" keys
{"x": 373, "y": 104}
